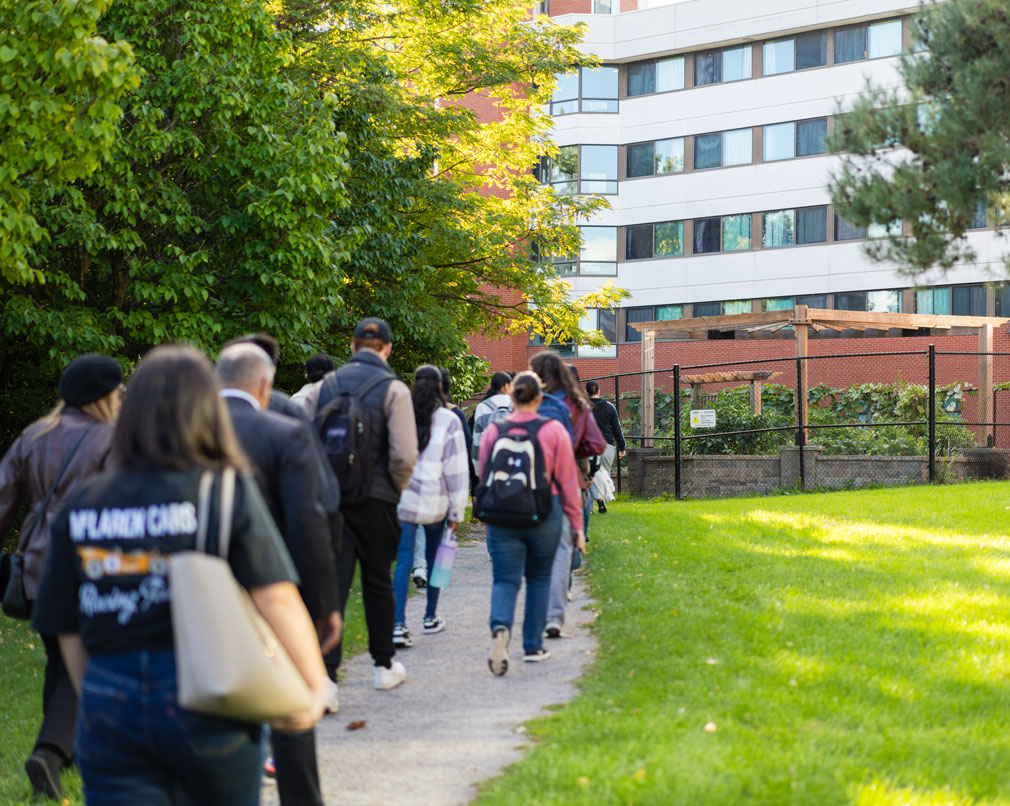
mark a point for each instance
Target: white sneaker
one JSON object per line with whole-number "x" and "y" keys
{"x": 330, "y": 701}
{"x": 390, "y": 678}
{"x": 498, "y": 661}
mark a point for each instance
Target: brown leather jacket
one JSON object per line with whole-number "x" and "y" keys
{"x": 30, "y": 467}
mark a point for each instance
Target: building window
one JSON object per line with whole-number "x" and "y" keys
{"x": 883, "y": 301}
{"x": 656, "y": 158}
{"x": 663, "y": 75}
{"x": 884, "y": 39}
{"x": 736, "y": 307}
{"x": 811, "y": 50}
{"x": 783, "y": 141}
{"x": 606, "y": 323}
{"x": 850, "y": 44}
{"x": 736, "y": 233}
{"x": 979, "y": 217}
{"x": 933, "y": 300}
{"x": 598, "y": 255}
{"x": 606, "y": 6}
{"x": 598, "y": 170}
{"x": 562, "y": 170}
{"x": 779, "y": 57}
{"x": 855, "y": 301}
{"x": 667, "y": 313}
{"x": 633, "y": 315}
{"x": 778, "y": 228}
{"x": 844, "y": 231}
{"x": 707, "y": 233}
{"x": 707, "y": 309}
{"x": 729, "y": 64}
{"x": 968, "y": 300}
{"x": 588, "y": 89}
{"x": 812, "y": 225}
{"x": 813, "y": 301}
{"x": 778, "y": 304}
{"x": 873, "y": 41}
{"x": 884, "y": 230}
{"x": 724, "y": 149}
{"x": 795, "y": 53}
{"x": 654, "y": 240}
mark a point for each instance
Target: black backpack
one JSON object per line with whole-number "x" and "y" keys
{"x": 514, "y": 490}
{"x": 345, "y": 429}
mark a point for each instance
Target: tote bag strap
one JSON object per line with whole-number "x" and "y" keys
{"x": 226, "y": 514}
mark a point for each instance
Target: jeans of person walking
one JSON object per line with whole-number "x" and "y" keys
{"x": 135, "y": 744}
{"x": 516, "y": 553}
{"x": 405, "y": 565}
{"x": 561, "y": 572}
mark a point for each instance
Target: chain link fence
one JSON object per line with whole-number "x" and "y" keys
{"x": 812, "y": 423}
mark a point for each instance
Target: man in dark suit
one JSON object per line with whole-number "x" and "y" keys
{"x": 281, "y": 452}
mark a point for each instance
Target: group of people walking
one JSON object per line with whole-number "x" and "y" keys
{"x": 342, "y": 475}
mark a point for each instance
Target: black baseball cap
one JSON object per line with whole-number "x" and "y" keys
{"x": 373, "y": 328}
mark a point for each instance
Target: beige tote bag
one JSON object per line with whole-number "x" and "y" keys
{"x": 229, "y": 662}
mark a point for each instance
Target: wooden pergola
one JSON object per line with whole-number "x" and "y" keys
{"x": 802, "y": 319}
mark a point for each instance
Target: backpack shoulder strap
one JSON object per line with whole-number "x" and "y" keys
{"x": 372, "y": 383}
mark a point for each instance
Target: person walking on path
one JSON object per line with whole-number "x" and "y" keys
{"x": 316, "y": 369}
{"x": 280, "y": 450}
{"x": 50, "y": 459}
{"x": 436, "y": 493}
{"x": 529, "y": 551}
{"x": 374, "y": 476}
{"x": 106, "y": 593}
{"x": 609, "y": 421}
{"x": 496, "y": 406}
{"x": 564, "y": 396}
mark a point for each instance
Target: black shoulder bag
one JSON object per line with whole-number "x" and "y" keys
{"x": 13, "y": 597}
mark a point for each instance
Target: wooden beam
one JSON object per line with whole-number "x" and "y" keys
{"x": 905, "y": 321}
{"x": 705, "y": 323}
{"x": 648, "y": 408}
{"x": 755, "y": 398}
{"x": 985, "y": 384}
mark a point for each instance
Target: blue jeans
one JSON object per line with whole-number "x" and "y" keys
{"x": 135, "y": 745}
{"x": 405, "y": 564}
{"x": 524, "y": 552}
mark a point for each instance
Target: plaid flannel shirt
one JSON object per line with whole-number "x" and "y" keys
{"x": 441, "y": 481}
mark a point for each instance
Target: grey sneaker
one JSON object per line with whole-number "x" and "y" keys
{"x": 401, "y": 637}
{"x": 498, "y": 661}
{"x": 420, "y": 576}
{"x": 434, "y": 625}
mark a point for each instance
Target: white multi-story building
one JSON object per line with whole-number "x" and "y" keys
{"x": 704, "y": 127}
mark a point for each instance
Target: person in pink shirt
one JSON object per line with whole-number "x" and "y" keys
{"x": 530, "y": 551}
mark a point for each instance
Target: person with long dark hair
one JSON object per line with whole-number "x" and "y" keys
{"x": 564, "y": 397}
{"x": 495, "y": 407}
{"x": 105, "y": 591}
{"x": 435, "y": 496}
{"x": 50, "y": 458}
{"x": 529, "y": 552}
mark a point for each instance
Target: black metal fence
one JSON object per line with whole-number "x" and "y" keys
{"x": 868, "y": 418}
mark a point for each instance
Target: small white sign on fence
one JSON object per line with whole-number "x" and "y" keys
{"x": 702, "y": 418}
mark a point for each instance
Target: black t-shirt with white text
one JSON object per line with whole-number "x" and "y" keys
{"x": 106, "y": 573}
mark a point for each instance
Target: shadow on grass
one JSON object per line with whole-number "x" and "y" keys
{"x": 843, "y": 649}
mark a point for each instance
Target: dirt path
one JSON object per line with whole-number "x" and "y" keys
{"x": 452, "y": 724}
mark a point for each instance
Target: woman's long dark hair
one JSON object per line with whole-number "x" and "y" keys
{"x": 555, "y": 376}
{"x": 498, "y": 382}
{"x": 428, "y": 398}
{"x": 173, "y": 418}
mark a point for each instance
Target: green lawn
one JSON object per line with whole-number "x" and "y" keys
{"x": 840, "y": 648}
{"x": 22, "y": 661}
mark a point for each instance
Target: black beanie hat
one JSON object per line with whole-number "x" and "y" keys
{"x": 89, "y": 378}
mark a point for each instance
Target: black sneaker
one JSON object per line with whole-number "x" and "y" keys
{"x": 602, "y": 507}
{"x": 43, "y": 769}
{"x": 537, "y": 655}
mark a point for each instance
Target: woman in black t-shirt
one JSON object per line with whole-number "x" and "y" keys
{"x": 105, "y": 593}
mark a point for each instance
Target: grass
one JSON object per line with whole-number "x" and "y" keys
{"x": 22, "y": 661}
{"x": 840, "y": 648}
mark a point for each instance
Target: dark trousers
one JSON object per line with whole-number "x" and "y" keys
{"x": 59, "y": 704}
{"x": 371, "y": 538}
{"x": 297, "y": 773}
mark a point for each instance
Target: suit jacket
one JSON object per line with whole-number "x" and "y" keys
{"x": 281, "y": 452}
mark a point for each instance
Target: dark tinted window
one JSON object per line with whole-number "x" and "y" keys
{"x": 855, "y": 301}
{"x": 844, "y": 231}
{"x": 708, "y": 151}
{"x": 811, "y": 51}
{"x": 608, "y": 325}
{"x": 812, "y": 225}
{"x": 1003, "y": 300}
{"x": 979, "y": 218}
{"x": 850, "y": 45}
{"x": 636, "y": 315}
{"x": 638, "y": 242}
{"x": 707, "y": 233}
{"x": 967, "y": 300}
{"x": 641, "y": 159}
{"x": 810, "y": 136}
{"x": 813, "y": 301}
{"x": 641, "y": 79}
{"x": 708, "y": 68}
{"x": 707, "y": 309}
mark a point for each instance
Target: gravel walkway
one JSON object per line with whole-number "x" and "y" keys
{"x": 452, "y": 724}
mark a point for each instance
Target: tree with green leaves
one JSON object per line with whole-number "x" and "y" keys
{"x": 60, "y": 84}
{"x": 444, "y": 207}
{"x": 951, "y": 124}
